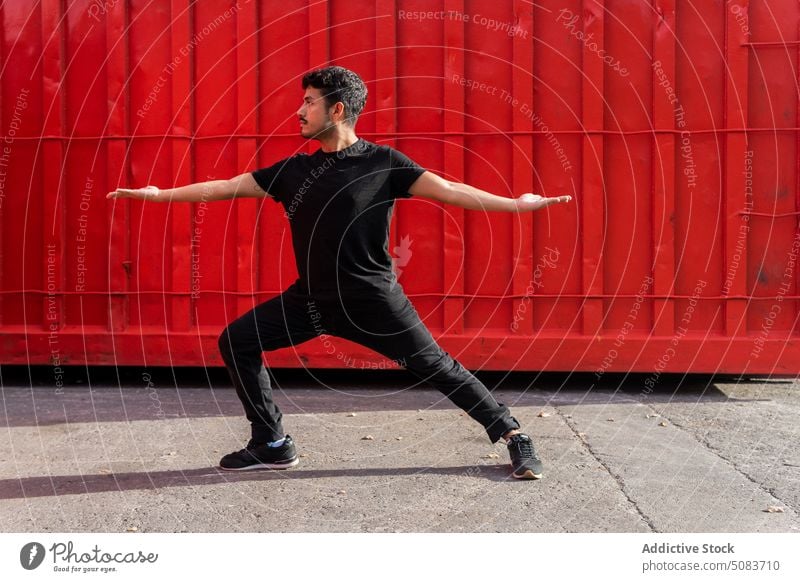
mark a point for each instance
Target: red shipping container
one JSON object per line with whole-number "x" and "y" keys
{"x": 673, "y": 125}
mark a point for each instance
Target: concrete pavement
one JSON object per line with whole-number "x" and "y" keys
{"x": 696, "y": 455}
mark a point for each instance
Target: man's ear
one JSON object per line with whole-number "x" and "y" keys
{"x": 337, "y": 111}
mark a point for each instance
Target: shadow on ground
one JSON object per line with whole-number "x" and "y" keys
{"x": 49, "y": 486}
{"x": 130, "y": 393}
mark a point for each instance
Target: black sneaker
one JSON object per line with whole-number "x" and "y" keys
{"x": 524, "y": 460}
{"x": 261, "y": 456}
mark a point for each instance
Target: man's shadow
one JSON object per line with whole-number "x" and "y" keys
{"x": 56, "y": 485}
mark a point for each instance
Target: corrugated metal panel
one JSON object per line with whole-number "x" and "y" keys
{"x": 674, "y": 125}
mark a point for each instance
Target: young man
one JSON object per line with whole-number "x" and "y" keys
{"x": 339, "y": 203}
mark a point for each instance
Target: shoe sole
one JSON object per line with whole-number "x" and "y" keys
{"x": 286, "y": 465}
{"x": 528, "y": 475}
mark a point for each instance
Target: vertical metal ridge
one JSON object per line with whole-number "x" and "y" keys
{"x": 118, "y": 77}
{"x": 386, "y": 68}
{"x": 318, "y": 41}
{"x": 736, "y": 146}
{"x": 247, "y": 208}
{"x": 385, "y": 100}
{"x": 181, "y": 214}
{"x": 796, "y": 324}
{"x": 663, "y": 244}
{"x": 521, "y": 170}
{"x": 54, "y": 108}
{"x": 592, "y": 162}
{"x": 2, "y": 205}
{"x": 454, "y": 162}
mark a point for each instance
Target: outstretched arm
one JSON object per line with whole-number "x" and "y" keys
{"x": 242, "y": 186}
{"x": 433, "y": 187}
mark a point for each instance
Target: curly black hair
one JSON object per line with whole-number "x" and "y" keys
{"x": 339, "y": 84}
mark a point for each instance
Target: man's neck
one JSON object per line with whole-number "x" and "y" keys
{"x": 337, "y": 142}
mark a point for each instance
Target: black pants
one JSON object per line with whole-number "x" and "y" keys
{"x": 388, "y": 325}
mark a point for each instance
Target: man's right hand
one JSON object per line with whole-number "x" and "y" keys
{"x": 148, "y": 192}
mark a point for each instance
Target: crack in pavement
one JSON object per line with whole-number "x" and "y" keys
{"x": 715, "y": 451}
{"x": 620, "y": 483}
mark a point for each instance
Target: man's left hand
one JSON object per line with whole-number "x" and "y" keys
{"x": 529, "y": 202}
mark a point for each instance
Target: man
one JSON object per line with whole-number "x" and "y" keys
{"x": 339, "y": 203}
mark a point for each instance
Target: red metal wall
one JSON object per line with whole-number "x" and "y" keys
{"x": 673, "y": 124}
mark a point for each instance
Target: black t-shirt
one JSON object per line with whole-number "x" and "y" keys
{"x": 339, "y": 206}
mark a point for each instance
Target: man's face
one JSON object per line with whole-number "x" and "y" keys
{"x": 313, "y": 114}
